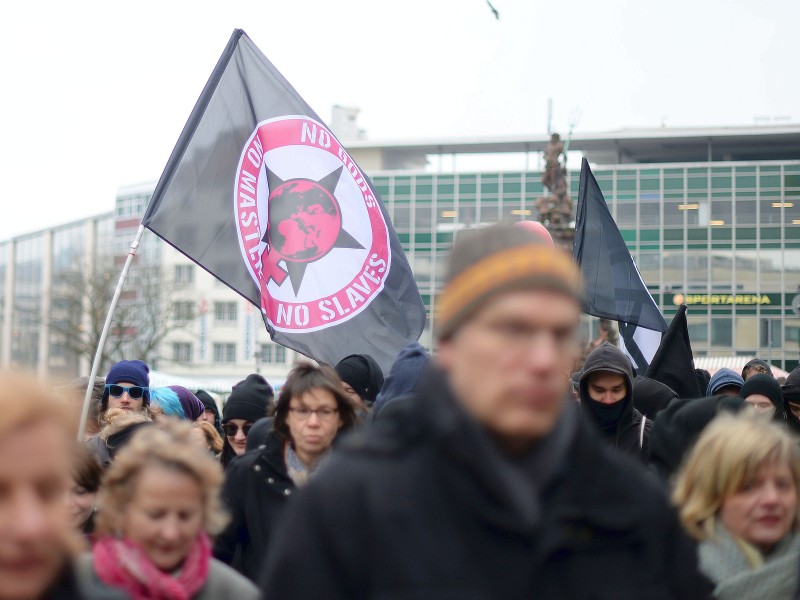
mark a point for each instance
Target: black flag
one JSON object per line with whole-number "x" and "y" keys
{"x": 673, "y": 364}
{"x": 614, "y": 287}
{"x": 261, "y": 194}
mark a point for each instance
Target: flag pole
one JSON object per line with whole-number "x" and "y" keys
{"x": 106, "y": 327}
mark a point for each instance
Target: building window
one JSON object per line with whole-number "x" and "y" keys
{"x": 266, "y": 353}
{"x": 181, "y": 352}
{"x": 273, "y": 354}
{"x": 698, "y": 332}
{"x": 225, "y": 312}
{"x": 771, "y": 332}
{"x": 131, "y": 206}
{"x": 721, "y": 332}
{"x": 224, "y": 353}
{"x": 183, "y": 310}
{"x": 184, "y": 273}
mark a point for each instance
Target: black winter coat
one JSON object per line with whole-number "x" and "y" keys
{"x": 402, "y": 511}
{"x": 256, "y": 488}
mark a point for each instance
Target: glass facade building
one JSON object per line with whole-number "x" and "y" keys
{"x": 711, "y": 216}
{"x": 721, "y": 237}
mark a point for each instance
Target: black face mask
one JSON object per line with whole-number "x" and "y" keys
{"x": 606, "y": 415}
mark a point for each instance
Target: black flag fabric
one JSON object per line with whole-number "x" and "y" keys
{"x": 261, "y": 194}
{"x": 614, "y": 287}
{"x": 673, "y": 364}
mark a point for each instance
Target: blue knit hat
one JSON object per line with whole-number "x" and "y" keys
{"x": 722, "y": 378}
{"x": 133, "y": 371}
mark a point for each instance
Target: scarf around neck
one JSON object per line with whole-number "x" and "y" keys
{"x": 729, "y": 563}
{"x": 122, "y": 564}
{"x": 296, "y": 468}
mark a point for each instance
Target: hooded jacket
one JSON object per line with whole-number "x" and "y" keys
{"x": 650, "y": 397}
{"x": 403, "y": 376}
{"x": 623, "y": 426}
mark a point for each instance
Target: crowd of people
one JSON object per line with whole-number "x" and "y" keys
{"x": 492, "y": 469}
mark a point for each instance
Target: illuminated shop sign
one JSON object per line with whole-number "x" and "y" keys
{"x": 722, "y": 299}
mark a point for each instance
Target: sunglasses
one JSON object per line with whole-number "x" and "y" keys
{"x": 231, "y": 429}
{"x": 135, "y": 391}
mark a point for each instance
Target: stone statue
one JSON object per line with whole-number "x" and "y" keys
{"x": 555, "y": 210}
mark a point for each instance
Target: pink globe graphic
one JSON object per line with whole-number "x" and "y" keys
{"x": 304, "y": 220}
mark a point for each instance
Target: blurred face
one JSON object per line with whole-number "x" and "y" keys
{"x": 794, "y": 408}
{"x": 207, "y": 416}
{"x": 164, "y": 516}
{"x": 728, "y": 390}
{"x": 509, "y": 365}
{"x": 124, "y": 401}
{"x": 606, "y": 387}
{"x": 200, "y": 438}
{"x": 313, "y": 422}
{"x": 235, "y": 431}
{"x": 761, "y": 405}
{"x": 81, "y": 503}
{"x": 34, "y": 517}
{"x": 351, "y": 392}
{"x": 157, "y": 414}
{"x": 764, "y": 510}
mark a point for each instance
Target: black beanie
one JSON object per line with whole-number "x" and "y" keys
{"x": 249, "y": 399}
{"x": 207, "y": 400}
{"x": 766, "y": 385}
{"x": 363, "y": 374}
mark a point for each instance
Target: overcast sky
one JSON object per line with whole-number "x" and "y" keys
{"x": 95, "y": 94}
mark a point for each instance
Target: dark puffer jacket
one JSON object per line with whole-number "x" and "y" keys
{"x": 410, "y": 508}
{"x": 628, "y": 431}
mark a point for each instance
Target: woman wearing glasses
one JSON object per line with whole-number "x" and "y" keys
{"x": 312, "y": 409}
{"x": 248, "y": 402}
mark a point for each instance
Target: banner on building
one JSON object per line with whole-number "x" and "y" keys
{"x": 261, "y": 194}
{"x": 614, "y": 288}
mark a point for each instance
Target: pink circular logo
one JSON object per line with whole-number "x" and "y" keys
{"x": 310, "y": 228}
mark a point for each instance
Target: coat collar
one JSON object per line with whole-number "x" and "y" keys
{"x": 586, "y": 487}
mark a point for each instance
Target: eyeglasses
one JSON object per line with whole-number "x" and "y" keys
{"x": 135, "y": 391}
{"x": 231, "y": 429}
{"x": 324, "y": 414}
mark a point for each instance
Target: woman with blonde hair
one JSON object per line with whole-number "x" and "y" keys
{"x": 737, "y": 494}
{"x": 205, "y": 434}
{"x": 157, "y": 507}
{"x": 37, "y": 535}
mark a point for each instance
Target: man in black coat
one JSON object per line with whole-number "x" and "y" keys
{"x": 487, "y": 483}
{"x": 606, "y": 392}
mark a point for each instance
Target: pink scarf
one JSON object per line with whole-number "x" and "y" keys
{"x": 122, "y": 564}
